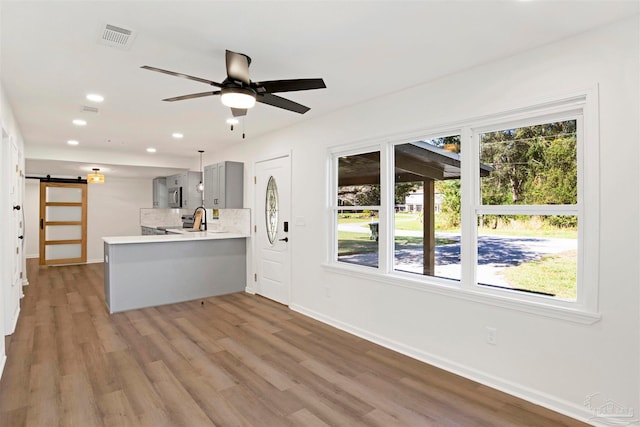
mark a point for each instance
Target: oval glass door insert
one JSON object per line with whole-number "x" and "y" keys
{"x": 271, "y": 210}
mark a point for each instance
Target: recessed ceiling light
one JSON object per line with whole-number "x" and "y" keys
{"x": 79, "y": 122}
{"x": 177, "y": 135}
{"x": 95, "y": 97}
{"x": 232, "y": 121}
{"x": 151, "y": 150}
{"x": 72, "y": 142}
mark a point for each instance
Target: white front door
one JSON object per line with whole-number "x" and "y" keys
{"x": 273, "y": 228}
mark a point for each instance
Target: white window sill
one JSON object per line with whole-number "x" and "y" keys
{"x": 441, "y": 287}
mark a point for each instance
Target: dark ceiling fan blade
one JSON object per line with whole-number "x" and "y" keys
{"x": 277, "y": 101}
{"x": 274, "y": 86}
{"x": 193, "y": 95}
{"x": 184, "y": 76}
{"x": 238, "y": 66}
{"x": 239, "y": 112}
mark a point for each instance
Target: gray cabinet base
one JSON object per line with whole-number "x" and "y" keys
{"x": 149, "y": 274}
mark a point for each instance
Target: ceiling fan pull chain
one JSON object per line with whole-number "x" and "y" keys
{"x": 243, "y": 121}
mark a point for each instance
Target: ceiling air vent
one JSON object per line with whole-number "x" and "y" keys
{"x": 88, "y": 109}
{"x": 118, "y": 37}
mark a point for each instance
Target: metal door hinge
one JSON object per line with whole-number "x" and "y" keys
{"x": 255, "y": 180}
{"x": 255, "y": 277}
{"x": 255, "y": 228}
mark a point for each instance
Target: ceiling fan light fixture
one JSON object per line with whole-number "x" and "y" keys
{"x": 95, "y": 177}
{"x": 240, "y": 98}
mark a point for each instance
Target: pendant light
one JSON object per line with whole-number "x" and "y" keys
{"x": 95, "y": 177}
{"x": 200, "y": 186}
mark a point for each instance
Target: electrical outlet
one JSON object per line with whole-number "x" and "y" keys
{"x": 492, "y": 335}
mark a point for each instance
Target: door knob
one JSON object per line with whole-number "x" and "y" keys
{"x": 20, "y": 237}
{"x": 286, "y": 239}
{"x": 16, "y": 208}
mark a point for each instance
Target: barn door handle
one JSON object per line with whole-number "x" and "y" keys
{"x": 41, "y": 223}
{"x": 286, "y": 239}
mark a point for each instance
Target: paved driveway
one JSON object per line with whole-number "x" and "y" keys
{"x": 494, "y": 254}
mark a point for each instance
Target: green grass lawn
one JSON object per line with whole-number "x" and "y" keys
{"x": 555, "y": 233}
{"x": 408, "y": 221}
{"x": 350, "y": 243}
{"x": 554, "y": 274}
{"x": 403, "y": 221}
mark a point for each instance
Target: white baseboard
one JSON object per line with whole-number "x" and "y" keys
{"x": 11, "y": 327}
{"x": 32, "y": 256}
{"x": 3, "y": 361}
{"x": 548, "y": 401}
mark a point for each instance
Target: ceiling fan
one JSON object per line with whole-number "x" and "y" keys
{"x": 239, "y": 93}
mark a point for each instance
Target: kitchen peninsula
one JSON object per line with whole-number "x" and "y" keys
{"x": 147, "y": 271}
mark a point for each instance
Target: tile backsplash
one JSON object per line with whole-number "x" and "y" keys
{"x": 229, "y": 220}
{"x": 162, "y": 217}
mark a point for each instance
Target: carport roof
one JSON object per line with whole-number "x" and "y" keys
{"x": 414, "y": 161}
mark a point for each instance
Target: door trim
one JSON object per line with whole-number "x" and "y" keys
{"x": 252, "y": 282}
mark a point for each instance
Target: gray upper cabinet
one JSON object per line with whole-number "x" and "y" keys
{"x": 189, "y": 181}
{"x": 160, "y": 195}
{"x": 224, "y": 185}
{"x": 177, "y": 180}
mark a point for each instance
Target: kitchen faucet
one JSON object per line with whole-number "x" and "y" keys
{"x": 204, "y": 216}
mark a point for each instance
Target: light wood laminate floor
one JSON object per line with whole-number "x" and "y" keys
{"x": 236, "y": 360}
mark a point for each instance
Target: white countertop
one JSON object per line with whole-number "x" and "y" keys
{"x": 175, "y": 236}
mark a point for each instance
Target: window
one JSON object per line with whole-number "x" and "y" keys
{"x": 527, "y": 238}
{"x": 427, "y": 207}
{"x": 501, "y": 210}
{"x": 358, "y": 206}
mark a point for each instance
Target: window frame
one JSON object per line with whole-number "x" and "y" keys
{"x": 581, "y": 106}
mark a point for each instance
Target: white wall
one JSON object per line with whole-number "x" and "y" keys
{"x": 556, "y": 363}
{"x": 113, "y": 210}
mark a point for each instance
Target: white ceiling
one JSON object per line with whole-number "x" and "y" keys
{"x": 51, "y": 58}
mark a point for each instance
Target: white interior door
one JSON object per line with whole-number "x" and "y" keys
{"x": 18, "y": 233}
{"x": 13, "y": 228}
{"x": 273, "y": 226}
